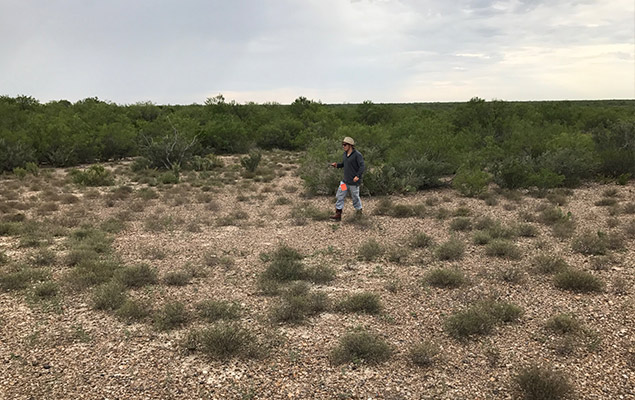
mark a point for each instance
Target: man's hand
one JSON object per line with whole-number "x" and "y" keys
{"x": 355, "y": 179}
{"x": 334, "y": 165}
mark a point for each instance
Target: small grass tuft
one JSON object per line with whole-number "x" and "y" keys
{"x": 503, "y": 249}
{"x": 542, "y": 383}
{"x": 223, "y": 341}
{"x": 364, "y": 302}
{"x": 136, "y": 276}
{"x": 424, "y": 354}
{"x": 109, "y": 296}
{"x": 370, "y": 250}
{"x": 578, "y": 281}
{"x": 132, "y": 311}
{"x": 420, "y": 240}
{"x": 563, "y": 324}
{"x": 177, "y": 278}
{"x": 453, "y": 249}
{"x": 214, "y": 310}
{"x": 445, "y": 278}
{"x": 481, "y": 318}
{"x": 173, "y": 315}
{"x": 549, "y": 264}
{"x": 360, "y": 347}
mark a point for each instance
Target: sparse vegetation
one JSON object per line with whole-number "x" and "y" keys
{"x": 481, "y": 318}
{"x": 360, "y": 347}
{"x": 424, "y": 354}
{"x": 363, "y": 302}
{"x": 542, "y": 383}
{"x": 578, "y": 281}
{"x": 453, "y": 249}
{"x": 445, "y": 278}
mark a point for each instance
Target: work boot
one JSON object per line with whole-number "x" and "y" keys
{"x": 337, "y": 216}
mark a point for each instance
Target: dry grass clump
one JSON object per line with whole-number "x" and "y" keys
{"x": 21, "y": 277}
{"x": 224, "y": 341}
{"x": 542, "y": 383}
{"x": 177, "y": 278}
{"x": 173, "y": 315}
{"x": 461, "y": 224}
{"x": 549, "y": 264}
{"x": 361, "y": 346}
{"x": 503, "y": 249}
{"x": 481, "y": 318}
{"x": 109, "y": 296}
{"x": 453, "y": 249}
{"x": 424, "y": 354}
{"x": 214, "y": 310}
{"x": 298, "y": 303}
{"x": 578, "y": 281}
{"x": 420, "y": 240}
{"x": 445, "y": 278}
{"x": 364, "y": 303}
{"x": 136, "y": 276}
{"x": 133, "y": 311}
{"x": 370, "y": 250}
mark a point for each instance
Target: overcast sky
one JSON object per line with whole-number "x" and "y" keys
{"x": 333, "y": 51}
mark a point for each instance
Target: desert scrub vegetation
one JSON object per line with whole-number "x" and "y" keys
{"x": 503, "y": 249}
{"x": 461, "y": 224}
{"x": 285, "y": 265}
{"x": 95, "y": 175}
{"x": 481, "y": 318}
{"x": 306, "y": 211}
{"x": 445, "y": 278}
{"x": 19, "y": 277}
{"x": 386, "y": 207}
{"x": 424, "y": 354}
{"x": 546, "y": 263}
{"x": 223, "y": 341}
{"x": 109, "y": 296}
{"x": 177, "y": 278}
{"x": 361, "y": 347}
{"x": 132, "y": 310}
{"x": 90, "y": 272}
{"x": 542, "y": 383}
{"x": 452, "y": 249}
{"x": 298, "y": 303}
{"x": 363, "y": 303}
{"x": 215, "y": 310}
{"x": 173, "y": 315}
{"x": 370, "y": 250}
{"x": 578, "y": 281}
{"x": 420, "y": 240}
{"x": 136, "y": 276}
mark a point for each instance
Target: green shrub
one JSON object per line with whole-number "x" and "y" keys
{"x": 542, "y": 383}
{"x": 471, "y": 182}
{"x": 296, "y": 305}
{"x": 578, "y": 281}
{"x": 445, "y": 278}
{"x": 361, "y": 347}
{"x": 481, "y": 318}
{"x": 95, "y": 175}
{"x": 420, "y": 240}
{"x": 177, "y": 278}
{"x": 503, "y": 249}
{"x": 47, "y": 289}
{"x": 250, "y": 162}
{"x": 590, "y": 243}
{"x": 364, "y": 302}
{"x": 91, "y": 272}
{"x": 109, "y": 296}
{"x": 453, "y": 249}
{"x": 370, "y": 250}
{"x": 136, "y": 276}
{"x": 223, "y": 341}
{"x": 481, "y": 238}
{"x": 214, "y": 310}
{"x": 132, "y": 311}
{"x": 320, "y": 274}
{"x": 527, "y": 230}
{"x": 461, "y": 224}
{"x": 173, "y": 315}
{"x": 563, "y": 324}
{"x": 20, "y": 279}
{"x": 424, "y": 354}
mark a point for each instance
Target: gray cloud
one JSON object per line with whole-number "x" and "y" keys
{"x": 332, "y": 50}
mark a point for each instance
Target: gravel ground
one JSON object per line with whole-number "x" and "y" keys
{"x": 64, "y": 348}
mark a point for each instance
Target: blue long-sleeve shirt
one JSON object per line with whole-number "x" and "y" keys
{"x": 353, "y": 165}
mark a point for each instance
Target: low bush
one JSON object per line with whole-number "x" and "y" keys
{"x": 590, "y": 243}
{"x": 578, "y": 281}
{"x": 223, "y": 341}
{"x": 424, "y": 354}
{"x": 21, "y": 278}
{"x": 109, "y": 296}
{"x": 471, "y": 182}
{"x": 296, "y": 305}
{"x": 370, "y": 250}
{"x": 95, "y": 175}
{"x": 251, "y": 161}
{"x": 542, "y": 383}
{"x": 481, "y": 318}
{"x": 503, "y": 249}
{"x": 214, "y": 310}
{"x": 364, "y": 302}
{"x": 173, "y": 315}
{"x": 420, "y": 240}
{"x": 46, "y": 289}
{"x": 563, "y": 324}
{"x": 177, "y": 278}
{"x": 359, "y": 347}
{"x": 461, "y": 224}
{"x": 136, "y": 276}
{"x": 453, "y": 249}
{"x": 445, "y": 278}
{"x": 90, "y": 272}
{"x": 132, "y": 311}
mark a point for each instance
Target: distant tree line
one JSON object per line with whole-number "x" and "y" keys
{"x": 408, "y": 147}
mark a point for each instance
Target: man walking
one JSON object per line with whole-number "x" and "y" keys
{"x": 353, "y": 164}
